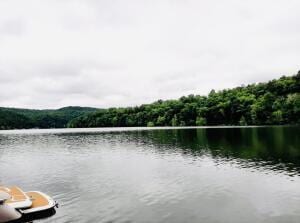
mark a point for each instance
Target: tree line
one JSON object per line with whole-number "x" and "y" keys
{"x": 276, "y": 102}
{"x": 15, "y": 118}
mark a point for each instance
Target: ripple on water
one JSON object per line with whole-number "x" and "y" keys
{"x": 183, "y": 175}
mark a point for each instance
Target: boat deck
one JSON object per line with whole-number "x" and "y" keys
{"x": 38, "y": 200}
{"x": 18, "y": 198}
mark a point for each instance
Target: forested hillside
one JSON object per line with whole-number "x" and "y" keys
{"x": 14, "y": 118}
{"x": 275, "y": 102}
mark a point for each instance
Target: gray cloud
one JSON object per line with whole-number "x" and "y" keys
{"x": 13, "y": 27}
{"x": 56, "y": 53}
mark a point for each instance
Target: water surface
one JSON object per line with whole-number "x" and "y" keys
{"x": 159, "y": 175}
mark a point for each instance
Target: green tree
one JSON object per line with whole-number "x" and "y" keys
{"x": 174, "y": 121}
{"x": 160, "y": 121}
{"x": 243, "y": 121}
{"x": 150, "y": 124}
{"x": 200, "y": 121}
{"x": 277, "y": 117}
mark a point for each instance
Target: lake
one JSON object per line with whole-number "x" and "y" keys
{"x": 156, "y": 175}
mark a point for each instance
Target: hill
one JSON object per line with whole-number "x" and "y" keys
{"x": 276, "y": 102}
{"x": 18, "y": 118}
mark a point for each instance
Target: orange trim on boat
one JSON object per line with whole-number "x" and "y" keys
{"x": 37, "y": 199}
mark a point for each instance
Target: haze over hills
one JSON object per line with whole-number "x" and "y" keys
{"x": 275, "y": 102}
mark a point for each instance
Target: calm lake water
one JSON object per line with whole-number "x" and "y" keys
{"x": 159, "y": 175}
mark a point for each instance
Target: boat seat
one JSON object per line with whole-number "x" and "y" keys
{"x": 18, "y": 198}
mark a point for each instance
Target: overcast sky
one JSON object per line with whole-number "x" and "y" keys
{"x": 105, "y": 53}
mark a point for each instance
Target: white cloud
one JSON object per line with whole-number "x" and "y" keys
{"x": 121, "y": 53}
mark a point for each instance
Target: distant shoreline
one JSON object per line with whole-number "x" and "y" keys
{"x": 276, "y": 102}
{"x": 128, "y": 129}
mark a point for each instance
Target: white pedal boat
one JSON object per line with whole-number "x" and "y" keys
{"x": 16, "y": 204}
